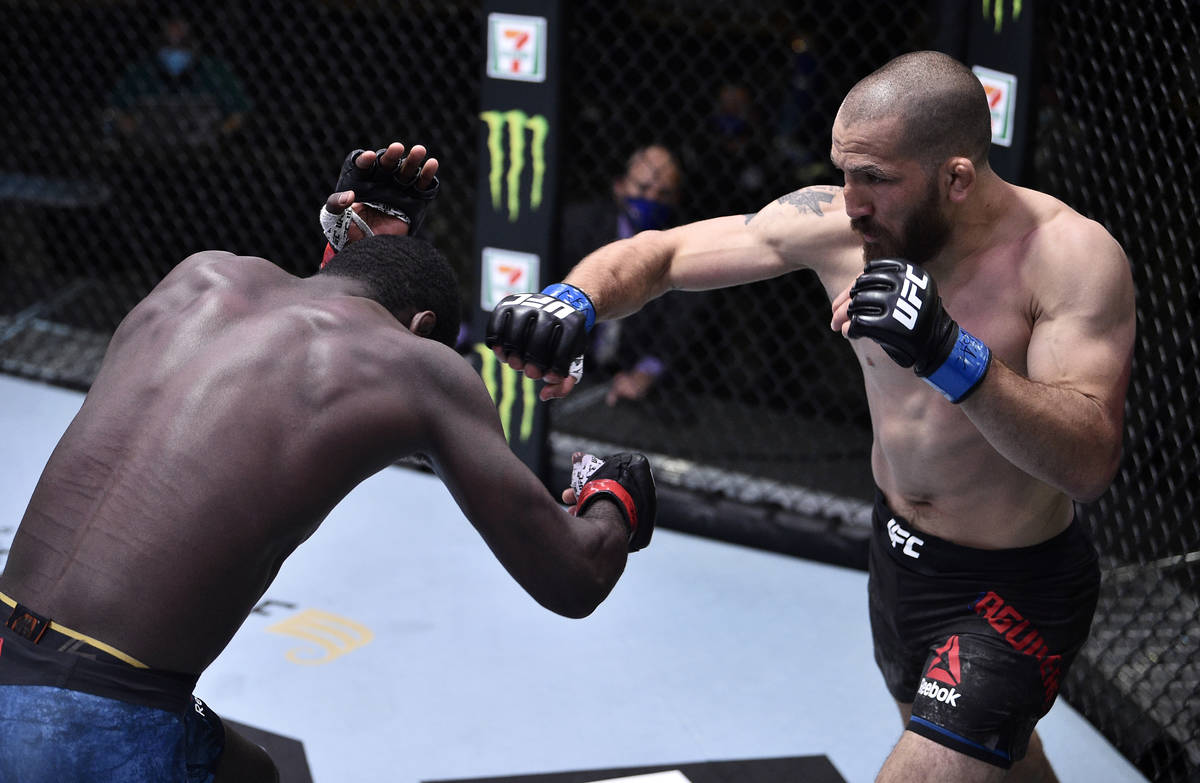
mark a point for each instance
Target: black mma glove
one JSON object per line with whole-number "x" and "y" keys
{"x": 548, "y": 329}
{"x": 625, "y": 478}
{"x": 379, "y": 188}
{"x": 896, "y": 304}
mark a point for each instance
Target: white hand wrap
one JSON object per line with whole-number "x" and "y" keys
{"x": 576, "y": 368}
{"x": 337, "y": 227}
{"x": 582, "y": 469}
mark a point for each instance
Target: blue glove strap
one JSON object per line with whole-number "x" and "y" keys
{"x": 963, "y": 369}
{"x": 574, "y": 297}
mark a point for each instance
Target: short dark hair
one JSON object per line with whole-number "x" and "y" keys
{"x": 406, "y": 275}
{"x": 940, "y": 102}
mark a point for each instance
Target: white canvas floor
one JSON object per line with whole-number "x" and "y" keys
{"x": 396, "y": 649}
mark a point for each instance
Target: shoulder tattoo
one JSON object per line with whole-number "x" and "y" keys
{"x": 810, "y": 199}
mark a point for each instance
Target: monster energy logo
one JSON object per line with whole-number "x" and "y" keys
{"x": 501, "y": 383}
{"x": 994, "y": 10}
{"x": 518, "y": 123}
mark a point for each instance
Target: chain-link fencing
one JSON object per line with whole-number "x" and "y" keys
{"x": 1118, "y": 115}
{"x": 114, "y": 169}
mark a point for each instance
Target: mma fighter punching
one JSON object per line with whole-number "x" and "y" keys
{"x": 236, "y": 406}
{"x": 994, "y": 327}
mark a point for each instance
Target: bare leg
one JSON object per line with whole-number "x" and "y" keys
{"x": 917, "y": 758}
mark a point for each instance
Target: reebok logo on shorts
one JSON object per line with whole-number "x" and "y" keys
{"x": 944, "y": 669}
{"x": 904, "y": 539}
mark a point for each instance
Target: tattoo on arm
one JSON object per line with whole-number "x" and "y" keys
{"x": 810, "y": 199}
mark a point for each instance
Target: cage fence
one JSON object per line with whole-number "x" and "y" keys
{"x": 108, "y": 180}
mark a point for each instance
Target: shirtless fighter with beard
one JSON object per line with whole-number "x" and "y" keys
{"x": 999, "y": 329}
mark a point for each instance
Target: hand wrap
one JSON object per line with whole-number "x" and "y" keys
{"x": 381, "y": 189}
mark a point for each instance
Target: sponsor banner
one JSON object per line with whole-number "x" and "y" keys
{"x": 507, "y": 272}
{"x": 516, "y": 401}
{"x": 1001, "y": 89}
{"x": 996, "y": 12}
{"x": 516, "y": 47}
{"x": 516, "y": 140}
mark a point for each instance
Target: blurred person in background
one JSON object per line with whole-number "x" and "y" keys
{"x": 178, "y": 95}
{"x": 633, "y": 354}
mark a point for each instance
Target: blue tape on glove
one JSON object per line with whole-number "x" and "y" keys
{"x": 574, "y": 297}
{"x": 963, "y": 369}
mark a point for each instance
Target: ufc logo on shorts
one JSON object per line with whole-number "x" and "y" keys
{"x": 900, "y": 537}
{"x": 909, "y": 303}
{"x": 555, "y": 307}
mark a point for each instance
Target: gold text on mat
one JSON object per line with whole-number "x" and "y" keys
{"x": 329, "y": 636}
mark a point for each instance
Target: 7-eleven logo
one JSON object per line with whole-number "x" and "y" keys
{"x": 945, "y": 667}
{"x": 516, "y": 47}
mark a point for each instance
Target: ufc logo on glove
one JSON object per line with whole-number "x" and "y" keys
{"x": 909, "y": 303}
{"x": 555, "y": 307}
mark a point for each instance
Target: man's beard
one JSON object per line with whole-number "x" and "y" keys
{"x": 922, "y": 235}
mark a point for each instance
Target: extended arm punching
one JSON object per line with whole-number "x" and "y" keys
{"x": 803, "y": 229}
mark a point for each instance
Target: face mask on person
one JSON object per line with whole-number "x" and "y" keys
{"x": 646, "y": 214}
{"x": 174, "y": 59}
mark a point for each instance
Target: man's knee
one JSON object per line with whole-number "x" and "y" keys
{"x": 919, "y": 758}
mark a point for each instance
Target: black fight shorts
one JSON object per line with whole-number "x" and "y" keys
{"x": 977, "y": 640}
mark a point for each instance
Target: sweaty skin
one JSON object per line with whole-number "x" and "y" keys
{"x": 1048, "y": 290}
{"x": 235, "y": 407}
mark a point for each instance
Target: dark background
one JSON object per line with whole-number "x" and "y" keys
{"x": 763, "y": 416}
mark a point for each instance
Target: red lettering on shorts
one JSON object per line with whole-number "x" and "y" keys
{"x": 1023, "y": 636}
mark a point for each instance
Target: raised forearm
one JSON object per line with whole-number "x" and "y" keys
{"x": 1060, "y": 436}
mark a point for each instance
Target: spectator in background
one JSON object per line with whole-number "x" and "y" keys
{"x": 629, "y": 353}
{"x": 177, "y": 96}
{"x": 801, "y": 136}
{"x": 731, "y": 147}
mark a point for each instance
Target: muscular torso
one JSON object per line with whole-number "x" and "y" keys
{"x": 233, "y": 410}
{"x": 932, "y": 463}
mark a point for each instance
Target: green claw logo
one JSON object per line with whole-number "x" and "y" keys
{"x": 501, "y": 383}
{"x": 518, "y": 123}
{"x": 994, "y": 10}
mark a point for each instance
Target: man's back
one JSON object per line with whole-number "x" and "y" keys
{"x": 234, "y": 409}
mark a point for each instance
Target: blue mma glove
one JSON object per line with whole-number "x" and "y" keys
{"x": 896, "y": 304}
{"x": 548, "y": 330}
